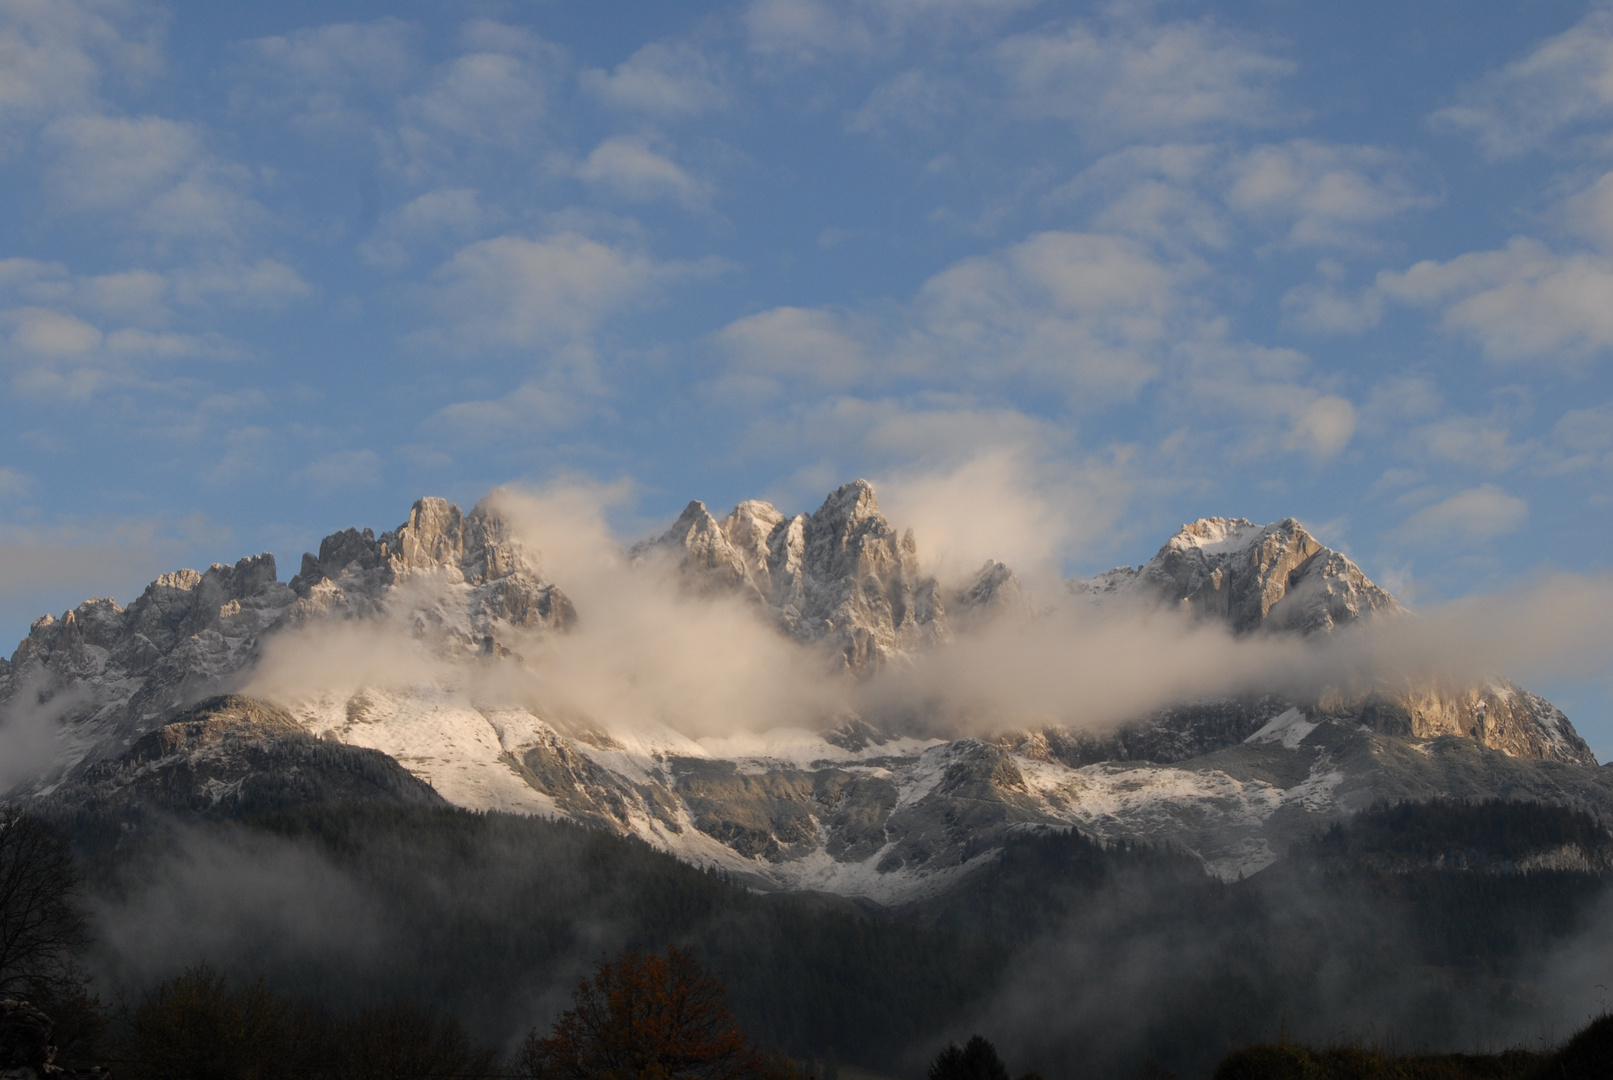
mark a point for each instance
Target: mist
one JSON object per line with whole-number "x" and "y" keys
{"x": 30, "y": 733}
{"x": 1091, "y": 667}
{"x": 241, "y": 900}
{"x": 646, "y": 651}
{"x": 651, "y": 651}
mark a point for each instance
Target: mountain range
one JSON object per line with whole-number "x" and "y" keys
{"x": 161, "y": 706}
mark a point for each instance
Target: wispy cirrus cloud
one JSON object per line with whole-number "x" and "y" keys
{"x": 1562, "y": 87}
{"x": 1141, "y": 79}
{"x": 1465, "y": 518}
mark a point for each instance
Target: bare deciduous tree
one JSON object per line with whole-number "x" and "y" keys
{"x": 40, "y": 927}
{"x": 648, "y": 1018}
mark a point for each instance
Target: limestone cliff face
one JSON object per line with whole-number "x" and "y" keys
{"x": 841, "y": 575}
{"x": 439, "y": 553}
{"x": 1252, "y": 577}
{"x": 1501, "y": 715}
{"x": 871, "y": 812}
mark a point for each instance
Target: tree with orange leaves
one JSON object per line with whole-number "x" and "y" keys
{"x": 647, "y": 1018}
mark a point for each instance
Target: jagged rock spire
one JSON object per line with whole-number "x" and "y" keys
{"x": 841, "y": 575}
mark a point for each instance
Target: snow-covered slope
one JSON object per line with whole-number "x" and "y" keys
{"x": 855, "y": 809}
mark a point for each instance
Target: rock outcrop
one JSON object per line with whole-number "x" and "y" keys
{"x": 1251, "y": 577}
{"x": 473, "y": 560}
{"x": 841, "y": 575}
{"x": 863, "y": 810}
{"x": 231, "y": 757}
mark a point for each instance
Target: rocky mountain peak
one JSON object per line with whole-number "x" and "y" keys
{"x": 107, "y": 672}
{"x": 848, "y": 505}
{"x": 355, "y": 573}
{"x": 1252, "y": 577}
{"x": 841, "y": 575}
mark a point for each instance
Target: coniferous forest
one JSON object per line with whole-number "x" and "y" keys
{"x": 321, "y": 929}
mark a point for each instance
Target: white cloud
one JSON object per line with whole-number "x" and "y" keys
{"x": 1083, "y": 315}
{"x": 1001, "y": 504}
{"x": 147, "y": 297}
{"x": 517, "y": 292}
{"x": 54, "y": 56}
{"x": 1585, "y": 436}
{"x": 1077, "y": 311}
{"x": 1523, "y": 302}
{"x": 56, "y": 354}
{"x": 320, "y": 72}
{"x": 912, "y": 99}
{"x": 821, "y": 347}
{"x": 566, "y": 394}
{"x": 666, "y": 79}
{"x": 46, "y": 333}
{"x": 631, "y": 167}
{"x": 1141, "y": 80}
{"x": 1078, "y": 322}
{"x": 491, "y": 96}
{"x": 149, "y": 172}
{"x": 1466, "y": 518}
{"x": 1161, "y": 194}
{"x": 1258, "y": 401}
{"x": 337, "y": 55}
{"x": 130, "y": 294}
{"x": 14, "y": 483}
{"x": 1589, "y": 213}
{"x": 808, "y": 30}
{"x": 803, "y": 30}
{"x": 497, "y": 93}
{"x": 1564, "y": 82}
{"x": 1321, "y": 307}
{"x": 265, "y": 283}
{"x": 111, "y": 163}
{"x": 1471, "y": 441}
{"x": 455, "y": 213}
{"x": 1327, "y": 192}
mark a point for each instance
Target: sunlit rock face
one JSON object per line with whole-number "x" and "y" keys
{"x": 1251, "y": 577}
{"x": 486, "y": 579}
{"x": 840, "y": 575}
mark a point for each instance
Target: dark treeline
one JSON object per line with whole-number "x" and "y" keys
{"x": 493, "y": 917}
{"x": 1479, "y": 835}
{"x": 1079, "y": 959}
{"x": 1587, "y": 1055}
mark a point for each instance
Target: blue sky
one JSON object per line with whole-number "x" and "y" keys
{"x": 1058, "y": 277}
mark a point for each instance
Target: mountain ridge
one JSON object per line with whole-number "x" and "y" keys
{"x": 857, "y": 808}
